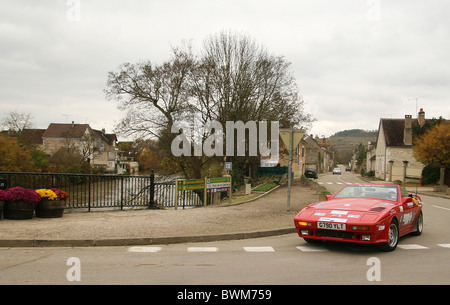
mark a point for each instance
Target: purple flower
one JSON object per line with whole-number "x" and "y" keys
{"x": 19, "y": 193}
{"x": 3, "y": 195}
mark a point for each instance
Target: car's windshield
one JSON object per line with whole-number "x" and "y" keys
{"x": 369, "y": 191}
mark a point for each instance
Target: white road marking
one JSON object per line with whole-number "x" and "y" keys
{"x": 145, "y": 249}
{"x": 202, "y": 249}
{"x": 436, "y": 206}
{"x": 304, "y": 248}
{"x": 444, "y": 245}
{"x": 259, "y": 249}
{"x": 310, "y": 248}
{"x": 412, "y": 247}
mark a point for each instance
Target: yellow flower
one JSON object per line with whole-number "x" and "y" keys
{"x": 48, "y": 194}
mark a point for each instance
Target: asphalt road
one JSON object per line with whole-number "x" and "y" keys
{"x": 284, "y": 260}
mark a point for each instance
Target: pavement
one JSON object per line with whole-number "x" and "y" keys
{"x": 265, "y": 215}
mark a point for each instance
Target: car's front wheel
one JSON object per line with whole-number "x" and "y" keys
{"x": 393, "y": 236}
{"x": 418, "y": 228}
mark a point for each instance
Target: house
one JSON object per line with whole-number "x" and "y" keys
{"x": 298, "y": 159}
{"x": 32, "y": 138}
{"x": 96, "y": 146}
{"x": 394, "y": 158}
{"x": 318, "y": 154}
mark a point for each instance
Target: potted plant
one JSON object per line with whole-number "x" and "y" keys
{"x": 3, "y": 198}
{"x": 20, "y": 203}
{"x": 53, "y": 202}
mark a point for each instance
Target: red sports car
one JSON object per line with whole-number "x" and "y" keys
{"x": 369, "y": 214}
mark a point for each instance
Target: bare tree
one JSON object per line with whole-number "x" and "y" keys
{"x": 233, "y": 79}
{"x": 237, "y": 79}
{"x": 16, "y": 122}
{"x": 152, "y": 95}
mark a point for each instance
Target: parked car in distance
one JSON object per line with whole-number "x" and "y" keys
{"x": 348, "y": 169}
{"x": 337, "y": 171}
{"x": 311, "y": 173}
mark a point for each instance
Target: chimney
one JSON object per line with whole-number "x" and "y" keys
{"x": 73, "y": 124}
{"x": 421, "y": 117}
{"x": 103, "y": 130}
{"x": 407, "y": 133}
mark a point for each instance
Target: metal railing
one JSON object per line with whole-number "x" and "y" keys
{"x": 87, "y": 191}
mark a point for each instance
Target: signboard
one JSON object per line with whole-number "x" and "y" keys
{"x": 191, "y": 184}
{"x": 214, "y": 185}
{"x": 228, "y": 166}
{"x": 296, "y": 137}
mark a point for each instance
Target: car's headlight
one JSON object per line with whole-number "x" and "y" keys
{"x": 360, "y": 228}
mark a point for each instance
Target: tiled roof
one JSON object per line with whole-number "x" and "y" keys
{"x": 73, "y": 131}
{"x": 32, "y": 136}
{"x": 394, "y": 131}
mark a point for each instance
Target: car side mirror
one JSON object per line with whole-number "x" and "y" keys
{"x": 405, "y": 200}
{"x": 328, "y": 197}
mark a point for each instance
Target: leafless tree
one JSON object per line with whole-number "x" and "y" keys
{"x": 16, "y": 122}
{"x": 232, "y": 79}
{"x": 153, "y": 95}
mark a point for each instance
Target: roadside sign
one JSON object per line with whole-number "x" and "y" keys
{"x": 228, "y": 166}
{"x": 191, "y": 184}
{"x": 221, "y": 184}
{"x": 296, "y": 137}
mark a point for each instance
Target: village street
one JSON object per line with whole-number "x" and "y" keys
{"x": 284, "y": 259}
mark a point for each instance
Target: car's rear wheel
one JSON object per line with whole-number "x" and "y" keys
{"x": 418, "y": 228}
{"x": 393, "y": 236}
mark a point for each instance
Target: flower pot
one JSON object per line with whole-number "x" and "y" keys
{"x": 18, "y": 210}
{"x": 2, "y": 204}
{"x": 50, "y": 208}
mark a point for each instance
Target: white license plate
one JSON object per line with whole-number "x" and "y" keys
{"x": 331, "y": 226}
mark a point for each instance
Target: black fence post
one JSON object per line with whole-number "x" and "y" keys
{"x": 152, "y": 189}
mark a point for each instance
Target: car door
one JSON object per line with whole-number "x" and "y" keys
{"x": 408, "y": 212}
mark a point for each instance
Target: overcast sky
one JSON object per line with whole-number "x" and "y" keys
{"x": 355, "y": 61}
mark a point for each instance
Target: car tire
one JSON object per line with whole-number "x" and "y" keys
{"x": 418, "y": 226}
{"x": 393, "y": 236}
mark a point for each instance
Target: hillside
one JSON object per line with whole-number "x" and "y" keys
{"x": 345, "y": 142}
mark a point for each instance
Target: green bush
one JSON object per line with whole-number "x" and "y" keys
{"x": 430, "y": 175}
